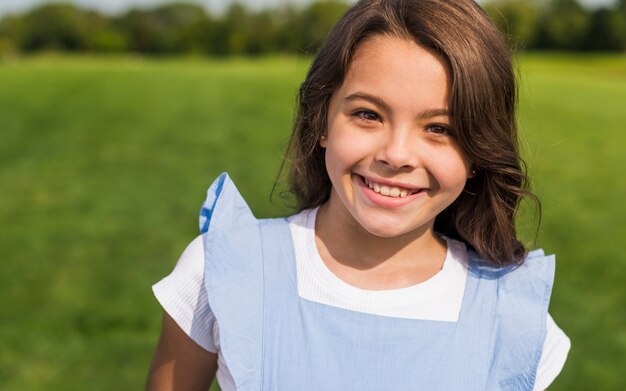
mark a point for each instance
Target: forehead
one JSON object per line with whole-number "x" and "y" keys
{"x": 391, "y": 51}
{"x": 397, "y": 69}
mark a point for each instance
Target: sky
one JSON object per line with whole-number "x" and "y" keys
{"x": 117, "y": 6}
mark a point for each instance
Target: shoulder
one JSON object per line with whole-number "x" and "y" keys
{"x": 521, "y": 294}
{"x": 536, "y": 267}
{"x": 188, "y": 272}
{"x": 224, "y": 208}
{"x": 191, "y": 258}
{"x": 233, "y": 237}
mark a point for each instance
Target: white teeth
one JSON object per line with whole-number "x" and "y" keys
{"x": 389, "y": 191}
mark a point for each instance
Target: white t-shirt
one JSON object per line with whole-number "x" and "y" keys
{"x": 183, "y": 296}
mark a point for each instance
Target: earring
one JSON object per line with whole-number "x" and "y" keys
{"x": 323, "y": 141}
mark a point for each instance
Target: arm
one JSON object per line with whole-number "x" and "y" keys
{"x": 179, "y": 363}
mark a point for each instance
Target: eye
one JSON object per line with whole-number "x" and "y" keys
{"x": 440, "y": 130}
{"x": 366, "y": 115}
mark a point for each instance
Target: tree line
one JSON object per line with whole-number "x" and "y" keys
{"x": 190, "y": 29}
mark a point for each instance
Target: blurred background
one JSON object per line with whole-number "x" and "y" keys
{"x": 115, "y": 116}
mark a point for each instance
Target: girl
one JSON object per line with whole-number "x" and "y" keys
{"x": 401, "y": 270}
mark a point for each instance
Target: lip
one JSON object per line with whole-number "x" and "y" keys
{"x": 386, "y": 201}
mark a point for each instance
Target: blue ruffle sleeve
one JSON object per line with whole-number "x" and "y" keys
{"x": 234, "y": 279}
{"x": 520, "y": 313}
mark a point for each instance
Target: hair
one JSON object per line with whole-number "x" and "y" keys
{"x": 482, "y": 103}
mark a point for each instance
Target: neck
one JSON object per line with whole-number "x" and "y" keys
{"x": 355, "y": 254}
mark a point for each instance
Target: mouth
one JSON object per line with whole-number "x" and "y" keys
{"x": 389, "y": 190}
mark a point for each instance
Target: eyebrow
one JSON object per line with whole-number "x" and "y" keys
{"x": 378, "y": 101}
{"x": 434, "y": 113}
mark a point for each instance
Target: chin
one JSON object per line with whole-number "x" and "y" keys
{"x": 384, "y": 229}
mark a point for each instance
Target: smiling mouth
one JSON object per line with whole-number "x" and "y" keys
{"x": 388, "y": 190}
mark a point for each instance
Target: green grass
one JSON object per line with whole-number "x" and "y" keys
{"x": 573, "y": 117}
{"x": 104, "y": 164}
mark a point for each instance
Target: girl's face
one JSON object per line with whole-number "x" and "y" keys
{"x": 391, "y": 154}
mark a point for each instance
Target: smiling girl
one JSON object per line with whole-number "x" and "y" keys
{"x": 401, "y": 270}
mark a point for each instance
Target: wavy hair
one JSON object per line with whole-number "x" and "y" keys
{"x": 482, "y": 103}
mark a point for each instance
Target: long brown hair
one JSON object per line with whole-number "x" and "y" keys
{"x": 483, "y": 100}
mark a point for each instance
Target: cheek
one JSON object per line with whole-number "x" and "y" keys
{"x": 344, "y": 148}
{"x": 338, "y": 157}
{"x": 450, "y": 170}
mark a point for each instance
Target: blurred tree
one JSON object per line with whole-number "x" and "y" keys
{"x": 103, "y": 34}
{"x": 237, "y": 23}
{"x": 563, "y": 26}
{"x": 232, "y": 32}
{"x": 289, "y": 22}
{"x": 315, "y": 22}
{"x": 618, "y": 22}
{"x": 174, "y": 28}
{"x": 9, "y": 26}
{"x": 605, "y": 32}
{"x": 517, "y": 19}
{"x": 264, "y": 33}
{"x": 57, "y": 27}
{"x": 109, "y": 40}
{"x": 185, "y": 28}
{"x": 141, "y": 31}
{"x": 64, "y": 27}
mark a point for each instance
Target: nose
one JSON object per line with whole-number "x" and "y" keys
{"x": 399, "y": 149}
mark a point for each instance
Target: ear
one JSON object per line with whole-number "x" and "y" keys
{"x": 323, "y": 141}
{"x": 472, "y": 172}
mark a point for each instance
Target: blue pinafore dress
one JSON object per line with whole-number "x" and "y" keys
{"x": 271, "y": 339}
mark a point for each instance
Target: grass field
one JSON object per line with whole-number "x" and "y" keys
{"x": 104, "y": 164}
